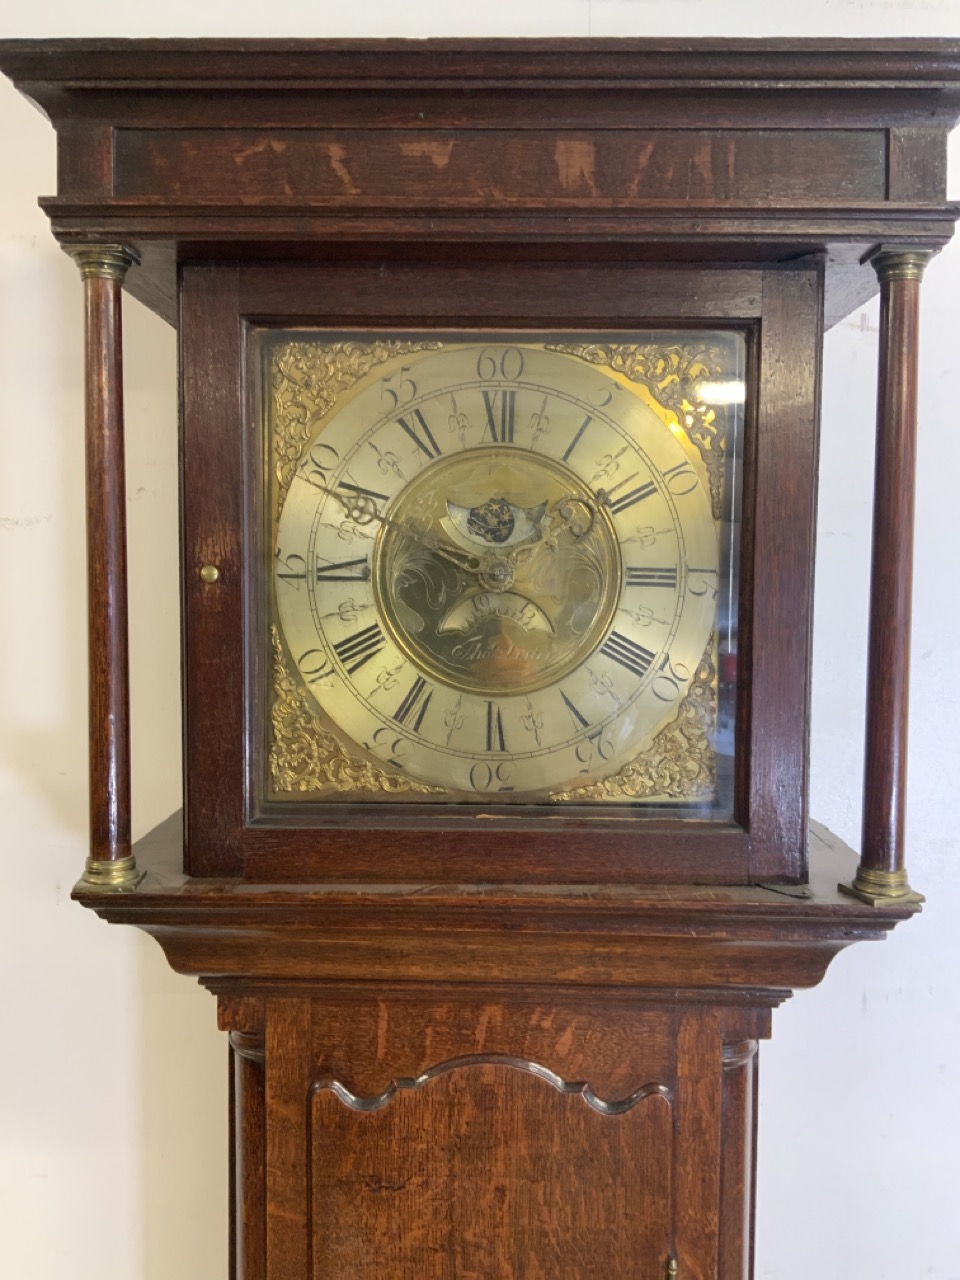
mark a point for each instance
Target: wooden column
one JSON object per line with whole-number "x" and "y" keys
{"x": 110, "y": 864}
{"x": 881, "y": 876}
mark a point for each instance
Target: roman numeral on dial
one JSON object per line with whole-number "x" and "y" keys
{"x": 634, "y": 657}
{"x": 631, "y": 497}
{"x": 578, "y": 718}
{"x": 495, "y": 738}
{"x": 414, "y": 705}
{"x": 501, "y": 409}
{"x": 345, "y": 571}
{"x": 422, "y": 438}
{"x": 652, "y": 578}
{"x": 576, "y": 439}
{"x": 359, "y": 648}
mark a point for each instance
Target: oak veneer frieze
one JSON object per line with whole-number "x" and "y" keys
{"x": 855, "y": 131}
{"x": 502, "y": 167}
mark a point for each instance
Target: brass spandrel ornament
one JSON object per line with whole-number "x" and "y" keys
{"x": 308, "y": 380}
{"x": 496, "y": 571}
{"x": 306, "y": 757}
{"x": 680, "y": 763}
{"x": 676, "y": 375}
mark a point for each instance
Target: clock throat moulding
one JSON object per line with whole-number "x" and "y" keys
{"x": 493, "y": 1012}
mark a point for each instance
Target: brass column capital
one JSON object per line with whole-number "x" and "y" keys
{"x": 899, "y": 261}
{"x": 103, "y": 261}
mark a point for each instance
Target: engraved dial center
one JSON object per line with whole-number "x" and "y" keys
{"x": 497, "y": 571}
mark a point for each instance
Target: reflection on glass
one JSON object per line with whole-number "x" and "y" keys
{"x": 502, "y": 568}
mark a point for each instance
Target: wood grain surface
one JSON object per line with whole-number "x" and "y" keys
{"x": 748, "y": 149}
{"x": 107, "y": 650}
{"x": 891, "y": 583}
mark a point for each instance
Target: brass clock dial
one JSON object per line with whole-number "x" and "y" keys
{"x": 496, "y": 569}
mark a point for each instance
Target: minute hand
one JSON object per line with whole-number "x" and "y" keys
{"x": 462, "y": 559}
{"x": 362, "y": 510}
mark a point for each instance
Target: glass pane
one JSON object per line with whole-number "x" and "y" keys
{"x": 501, "y": 568}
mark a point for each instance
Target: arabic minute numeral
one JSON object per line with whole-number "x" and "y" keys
{"x": 292, "y": 568}
{"x": 607, "y": 392}
{"x": 486, "y": 777}
{"x": 398, "y": 387}
{"x": 359, "y": 648}
{"x": 634, "y": 657}
{"x": 314, "y": 666}
{"x": 422, "y": 438}
{"x": 701, "y": 582}
{"x": 496, "y": 362}
{"x": 669, "y": 680}
{"x": 596, "y": 743}
{"x": 386, "y": 744}
{"x": 648, "y": 577}
{"x": 319, "y": 462}
{"x": 414, "y": 705}
{"x": 681, "y": 479}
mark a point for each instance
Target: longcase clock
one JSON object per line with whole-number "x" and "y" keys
{"x": 499, "y": 408}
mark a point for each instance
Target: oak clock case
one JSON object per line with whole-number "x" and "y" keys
{"x": 493, "y": 588}
{"x": 463, "y": 325}
{"x": 503, "y": 568}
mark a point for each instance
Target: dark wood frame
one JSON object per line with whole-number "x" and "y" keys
{"x": 780, "y": 307}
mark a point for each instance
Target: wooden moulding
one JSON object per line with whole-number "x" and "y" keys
{"x": 729, "y": 150}
{"x": 742, "y": 943}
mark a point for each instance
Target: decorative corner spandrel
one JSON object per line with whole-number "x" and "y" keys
{"x": 304, "y": 756}
{"x": 673, "y": 374}
{"x": 680, "y": 763}
{"x": 307, "y": 380}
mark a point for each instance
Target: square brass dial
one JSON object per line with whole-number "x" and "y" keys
{"x": 501, "y": 568}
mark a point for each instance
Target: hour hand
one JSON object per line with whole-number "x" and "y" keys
{"x": 575, "y": 514}
{"x": 362, "y": 509}
{"x": 571, "y": 514}
{"x": 462, "y": 559}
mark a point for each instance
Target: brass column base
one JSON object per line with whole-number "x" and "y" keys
{"x": 881, "y": 888}
{"x": 120, "y": 875}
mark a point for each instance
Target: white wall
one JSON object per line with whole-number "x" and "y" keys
{"x": 112, "y": 1075}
